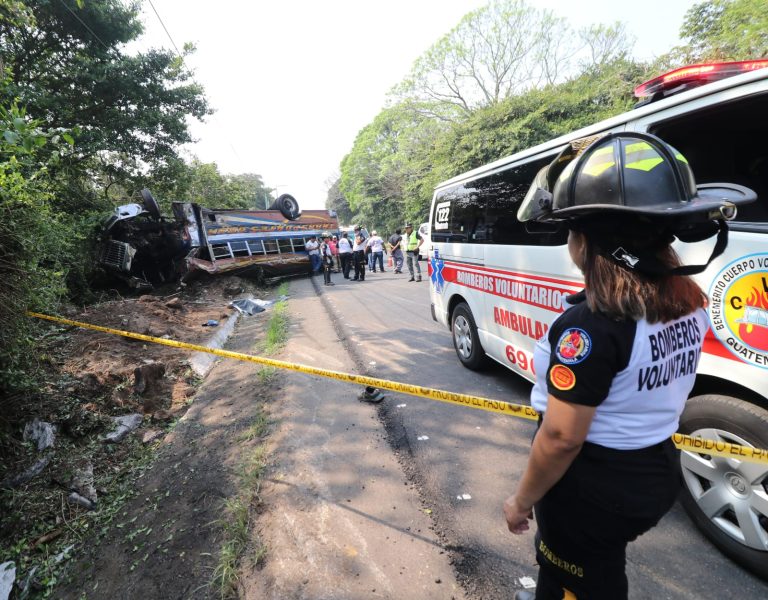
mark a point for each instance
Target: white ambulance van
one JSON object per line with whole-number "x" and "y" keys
{"x": 497, "y": 284}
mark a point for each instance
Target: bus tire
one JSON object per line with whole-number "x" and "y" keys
{"x": 466, "y": 342}
{"x": 150, "y": 204}
{"x": 288, "y": 207}
{"x": 726, "y": 498}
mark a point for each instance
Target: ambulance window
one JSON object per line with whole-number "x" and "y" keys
{"x": 725, "y": 143}
{"x": 504, "y": 193}
{"x": 467, "y": 217}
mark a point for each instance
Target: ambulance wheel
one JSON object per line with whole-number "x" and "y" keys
{"x": 727, "y": 498}
{"x": 465, "y": 338}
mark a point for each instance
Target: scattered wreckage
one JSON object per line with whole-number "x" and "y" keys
{"x": 144, "y": 248}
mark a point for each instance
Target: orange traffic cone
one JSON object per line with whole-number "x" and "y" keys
{"x": 390, "y": 262}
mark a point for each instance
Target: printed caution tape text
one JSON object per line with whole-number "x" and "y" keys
{"x": 681, "y": 441}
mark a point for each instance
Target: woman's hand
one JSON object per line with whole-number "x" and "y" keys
{"x": 517, "y": 517}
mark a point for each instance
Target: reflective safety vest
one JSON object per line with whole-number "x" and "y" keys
{"x": 412, "y": 242}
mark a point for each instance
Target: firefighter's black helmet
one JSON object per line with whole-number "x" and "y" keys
{"x": 625, "y": 175}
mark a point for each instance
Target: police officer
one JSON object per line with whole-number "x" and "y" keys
{"x": 615, "y": 369}
{"x": 411, "y": 243}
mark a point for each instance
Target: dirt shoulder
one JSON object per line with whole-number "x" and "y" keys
{"x": 339, "y": 518}
{"x": 165, "y": 542}
{"x": 327, "y": 511}
{"x": 130, "y": 512}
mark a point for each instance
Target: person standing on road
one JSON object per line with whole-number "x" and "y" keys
{"x": 313, "y": 249}
{"x": 327, "y": 258}
{"x": 412, "y": 241}
{"x": 377, "y": 251}
{"x": 345, "y": 254}
{"x": 358, "y": 254}
{"x": 615, "y": 369}
{"x": 334, "y": 245}
{"x": 397, "y": 253}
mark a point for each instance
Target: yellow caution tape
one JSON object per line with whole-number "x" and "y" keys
{"x": 506, "y": 408}
{"x": 719, "y": 448}
{"x": 681, "y": 441}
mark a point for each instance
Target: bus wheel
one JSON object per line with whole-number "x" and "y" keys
{"x": 465, "y": 338}
{"x": 727, "y": 498}
{"x": 288, "y": 207}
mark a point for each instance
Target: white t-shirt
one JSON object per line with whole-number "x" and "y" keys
{"x": 312, "y": 247}
{"x": 376, "y": 244}
{"x": 360, "y": 245}
{"x": 637, "y": 374}
{"x": 344, "y": 245}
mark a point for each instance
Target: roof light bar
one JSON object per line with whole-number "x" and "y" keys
{"x": 690, "y": 76}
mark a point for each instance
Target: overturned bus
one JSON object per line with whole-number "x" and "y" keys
{"x": 144, "y": 248}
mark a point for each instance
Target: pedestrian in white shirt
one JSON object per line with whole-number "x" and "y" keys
{"x": 345, "y": 254}
{"x": 313, "y": 249}
{"x": 377, "y": 251}
{"x": 358, "y": 254}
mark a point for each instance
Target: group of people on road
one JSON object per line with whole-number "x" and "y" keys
{"x": 347, "y": 253}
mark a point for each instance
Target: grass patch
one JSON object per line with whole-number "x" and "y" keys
{"x": 257, "y": 430}
{"x": 267, "y": 374}
{"x": 277, "y": 328}
{"x": 29, "y": 510}
{"x": 239, "y": 541}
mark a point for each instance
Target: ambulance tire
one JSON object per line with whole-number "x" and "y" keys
{"x": 466, "y": 342}
{"x": 739, "y": 422}
{"x": 288, "y": 207}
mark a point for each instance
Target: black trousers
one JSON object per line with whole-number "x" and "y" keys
{"x": 358, "y": 256}
{"x": 327, "y": 271}
{"x": 606, "y": 499}
{"x": 346, "y": 263}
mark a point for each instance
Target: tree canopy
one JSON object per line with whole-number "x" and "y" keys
{"x": 507, "y": 77}
{"x": 84, "y": 125}
{"x": 726, "y": 30}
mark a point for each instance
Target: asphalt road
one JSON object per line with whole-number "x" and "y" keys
{"x": 465, "y": 461}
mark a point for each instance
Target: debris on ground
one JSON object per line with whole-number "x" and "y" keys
{"x": 41, "y": 433}
{"x": 123, "y": 426}
{"x": 249, "y": 306}
{"x": 372, "y": 394}
{"x": 7, "y": 577}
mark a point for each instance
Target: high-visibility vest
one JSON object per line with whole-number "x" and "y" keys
{"x": 412, "y": 242}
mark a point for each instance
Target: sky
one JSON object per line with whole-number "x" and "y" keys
{"x": 294, "y": 81}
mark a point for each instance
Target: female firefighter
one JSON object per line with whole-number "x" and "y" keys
{"x": 615, "y": 369}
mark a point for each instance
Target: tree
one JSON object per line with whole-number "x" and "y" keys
{"x": 720, "y": 30}
{"x": 384, "y": 177}
{"x": 336, "y": 201}
{"x": 127, "y": 113}
{"x": 726, "y": 30}
{"x": 504, "y": 48}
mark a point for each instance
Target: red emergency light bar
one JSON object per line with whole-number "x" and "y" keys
{"x": 686, "y": 77}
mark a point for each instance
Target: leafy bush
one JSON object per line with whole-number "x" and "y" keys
{"x": 34, "y": 238}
